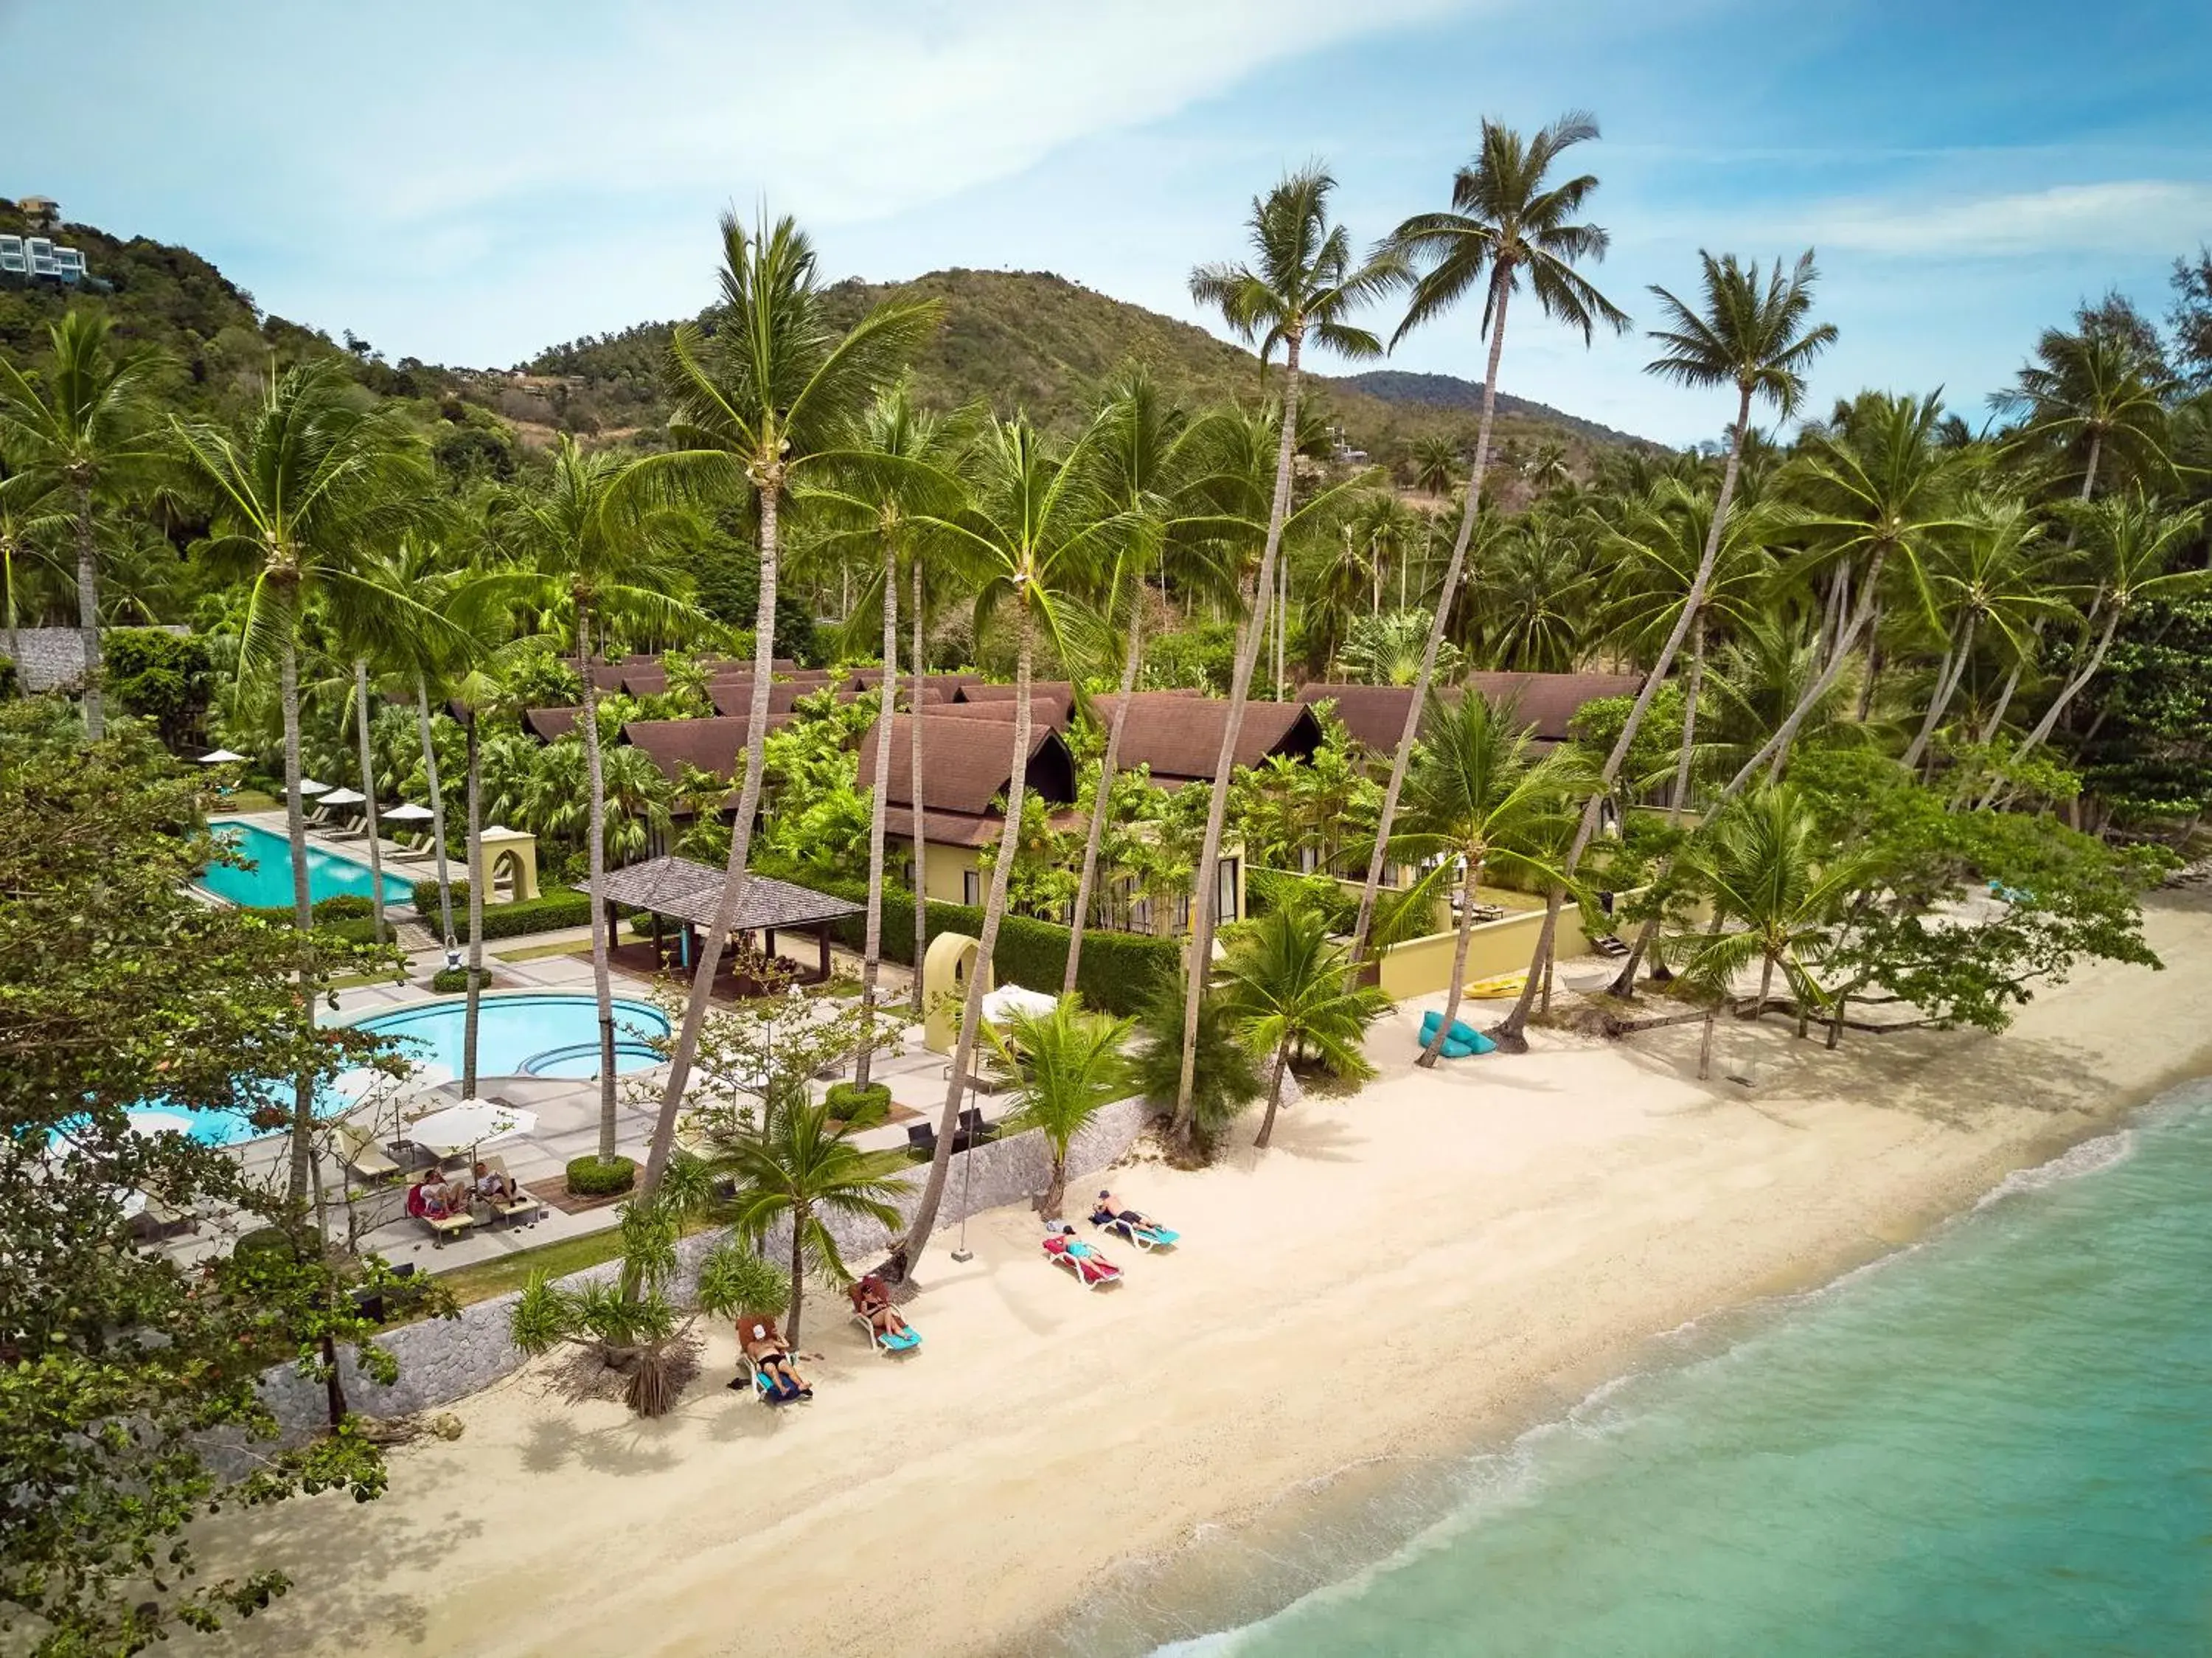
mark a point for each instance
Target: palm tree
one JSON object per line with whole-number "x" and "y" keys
{"x": 302, "y": 490}
{"x": 80, "y": 425}
{"x": 1304, "y": 283}
{"x": 1505, "y": 222}
{"x": 1478, "y": 792}
{"x": 2089, "y": 398}
{"x": 1146, "y": 453}
{"x": 1070, "y": 1065}
{"x": 901, "y": 468}
{"x": 2131, "y": 541}
{"x": 1227, "y": 1080}
{"x": 1998, "y": 574}
{"x": 1775, "y": 894}
{"x": 1436, "y": 462}
{"x": 1534, "y": 596}
{"x": 1036, "y": 525}
{"x": 798, "y": 1166}
{"x": 1287, "y": 985}
{"x": 775, "y": 391}
{"x": 595, "y": 555}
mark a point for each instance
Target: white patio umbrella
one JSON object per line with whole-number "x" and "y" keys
{"x": 468, "y": 1125}
{"x": 345, "y": 797}
{"x": 426, "y": 1077}
{"x": 409, "y": 813}
{"x": 355, "y": 1085}
{"x": 221, "y": 757}
{"x": 309, "y": 786}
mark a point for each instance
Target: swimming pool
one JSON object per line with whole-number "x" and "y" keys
{"x": 529, "y": 1035}
{"x": 268, "y": 882}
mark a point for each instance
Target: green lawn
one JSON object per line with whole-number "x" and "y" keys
{"x": 538, "y": 952}
{"x": 249, "y": 800}
{"x": 495, "y": 1277}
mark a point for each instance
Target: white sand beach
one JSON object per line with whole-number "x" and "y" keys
{"x": 1483, "y": 1244}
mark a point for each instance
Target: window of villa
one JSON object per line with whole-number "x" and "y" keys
{"x": 1224, "y": 891}
{"x": 971, "y": 887}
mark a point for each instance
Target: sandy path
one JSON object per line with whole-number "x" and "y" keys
{"x": 1494, "y": 1239}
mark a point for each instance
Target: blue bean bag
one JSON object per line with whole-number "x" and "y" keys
{"x": 1462, "y": 1041}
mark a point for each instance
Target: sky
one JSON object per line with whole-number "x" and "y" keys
{"x": 468, "y": 183}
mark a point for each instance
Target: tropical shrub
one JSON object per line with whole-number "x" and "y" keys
{"x": 550, "y": 910}
{"x": 858, "y": 1106}
{"x": 589, "y": 1177}
{"x": 448, "y": 980}
{"x": 161, "y": 676}
{"x": 1225, "y": 1078}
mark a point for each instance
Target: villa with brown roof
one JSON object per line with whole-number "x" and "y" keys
{"x": 1375, "y": 714}
{"x": 1178, "y": 736}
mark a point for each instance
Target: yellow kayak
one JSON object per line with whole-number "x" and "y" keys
{"x": 1503, "y": 985}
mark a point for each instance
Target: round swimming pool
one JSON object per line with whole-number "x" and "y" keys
{"x": 533, "y": 1035}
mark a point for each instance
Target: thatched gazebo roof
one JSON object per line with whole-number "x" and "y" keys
{"x": 687, "y": 891}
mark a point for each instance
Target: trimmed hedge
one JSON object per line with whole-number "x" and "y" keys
{"x": 590, "y": 1178}
{"x": 447, "y": 980}
{"x": 1119, "y": 971}
{"x": 859, "y": 1108}
{"x": 550, "y": 910}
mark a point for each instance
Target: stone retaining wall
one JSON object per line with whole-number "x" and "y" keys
{"x": 441, "y": 1360}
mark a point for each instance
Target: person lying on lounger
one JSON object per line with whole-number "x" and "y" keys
{"x": 432, "y": 1199}
{"x": 872, "y": 1299}
{"x": 1111, "y": 1208}
{"x": 764, "y": 1345}
{"x": 493, "y": 1183}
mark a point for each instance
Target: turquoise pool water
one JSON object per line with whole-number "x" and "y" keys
{"x": 551, "y": 1035}
{"x": 1997, "y": 1443}
{"x": 269, "y": 880}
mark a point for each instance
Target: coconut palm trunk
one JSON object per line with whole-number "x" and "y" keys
{"x": 472, "y": 1007}
{"x": 1690, "y": 694}
{"x": 369, "y": 794}
{"x": 596, "y": 853}
{"x": 2071, "y": 689}
{"x": 730, "y": 905}
{"x": 801, "y": 1213}
{"x": 909, "y": 1249}
{"x": 1457, "y": 989}
{"x": 1257, "y": 592}
{"x": 1371, "y": 892}
{"x": 1274, "y": 1097}
{"x": 1094, "y": 839}
{"x": 880, "y": 810}
{"x": 87, "y": 615}
{"x": 438, "y": 808}
{"x": 295, "y": 833}
{"x": 1947, "y": 686}
{"x": 920, "y": 839}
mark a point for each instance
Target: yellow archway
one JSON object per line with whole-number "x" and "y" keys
{"x": 945, "y": 972}
{"x": 509, "y": 855}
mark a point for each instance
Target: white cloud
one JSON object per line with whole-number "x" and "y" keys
{"x": 2121, "y": 216}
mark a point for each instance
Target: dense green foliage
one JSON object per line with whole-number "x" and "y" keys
{"x": 552, "y": 909}
{"x": 593, "y": 1177}
{"x": 858, "y": 1105}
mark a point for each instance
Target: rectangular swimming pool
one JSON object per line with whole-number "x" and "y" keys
{"x": 268, "y": 882}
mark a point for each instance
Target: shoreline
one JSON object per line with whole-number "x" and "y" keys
{"x": 1196, "y": 1574}
{"x": 1439, "y": 1263}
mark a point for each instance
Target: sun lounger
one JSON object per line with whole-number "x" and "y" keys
{"x": 1145, "y": 1237}
{"x": 525, "y": 1206}
{"x": 771, "y": 1392}
{"x": 364, "y": 1156}
{"x": 447, "y": 1226}
{"x": 1091, "y": 1270}
{"x": 888, "y": 1343}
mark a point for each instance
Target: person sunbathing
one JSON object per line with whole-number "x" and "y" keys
{"x": 493, "y": 1184}
{"x": 872, "y": 1299}
{"x": 1060, "y": 1240}
{"x": 432, "y": 1200}
{"x": 1111, "y": 1208}
{"x": 764, "y": 1345}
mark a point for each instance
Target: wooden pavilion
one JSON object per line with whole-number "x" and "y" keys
{"x": 684, "y": 892}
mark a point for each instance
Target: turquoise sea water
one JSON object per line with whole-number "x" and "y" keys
{"x": 553, "y": 1035}
{"x": 1999, "y": 1442}
{"x": 269, "y": 880}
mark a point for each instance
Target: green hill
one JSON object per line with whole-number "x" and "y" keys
{"x": 1036, "y": 341}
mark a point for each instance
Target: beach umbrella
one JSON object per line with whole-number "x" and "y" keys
{"x": 468, "y": 1125}
{"x": 309, "y": 786}
{"x": 221, "y": 757}
{"x": 1005, "y": 1003}
{"x": 345, "y": 797}
{"x": 409, "y": 813}
{"x": 426, "y": 1078}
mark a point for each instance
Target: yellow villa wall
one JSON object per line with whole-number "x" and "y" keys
{"x": 942, "y": 876}
{"x": 1422, "y": 966}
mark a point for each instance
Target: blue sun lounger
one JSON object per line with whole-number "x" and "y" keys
{"x": 1462, "y": 1041}
{"x": 891, "y": 1342}
{"x": 770, "y": 1392}
{"x": 1144, "y": 1237}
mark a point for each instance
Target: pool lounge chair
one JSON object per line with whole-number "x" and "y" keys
{"x": 367, "y": 1159}
{"x": 1091, "y": 1270}
{"x": 1147, "y": 1237}
{"x": 525, "y": 1206}
{"x": 768, "y": 1392}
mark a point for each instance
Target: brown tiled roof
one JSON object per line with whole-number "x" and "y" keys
{"x": 1179, "y": 737}
{"x": 866, "y": 679}
{"x": 552, "y": 724}
{"x": 1375, "y": 714}
{"x": 977, "y": 692}
{"x": 711, "y": 745}
{"x": 967, "y": 764}
{"x": 606, "y": 677}
{"x": 1547, "y": 702}
{"x": 1045, "y": 709}
{"x": 690, "y": 891}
